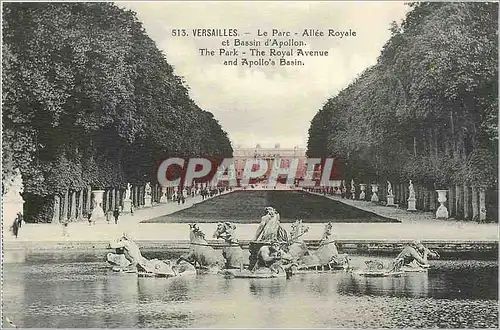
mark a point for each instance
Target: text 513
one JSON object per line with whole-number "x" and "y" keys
{"x": 179, "y": 33}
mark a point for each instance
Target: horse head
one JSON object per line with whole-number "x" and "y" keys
{"x": 225, "y": 230}
{"x": 298, "y": 229}
{"x": 328, "y": 232}
{"x": 119, "y": 243}
{"x": 196, "y": 233}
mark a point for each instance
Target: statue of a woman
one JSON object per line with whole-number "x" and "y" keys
{"x": 412, "y": 190}
{"x": 389, "y": 188}
{"x": 128, "y": 192}
{"x": 148, "y": 189}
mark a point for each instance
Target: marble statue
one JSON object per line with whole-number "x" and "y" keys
{"x": 389, "y": 188}
{"x": 412, "y": 190}
{"x": 128, "y": 192}
{"x": 148, "y": 189}
{"x": 14, "y": 188}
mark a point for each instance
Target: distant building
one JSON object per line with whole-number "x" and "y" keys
{"x": 241, "y": 155}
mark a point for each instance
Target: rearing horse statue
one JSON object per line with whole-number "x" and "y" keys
{"x": 326, "y": 255}
{"x": 201, "y": 253}
{"x": 236, "y": 257}
{"x": 297, "y": 248}
{"x": 134, "y": 261}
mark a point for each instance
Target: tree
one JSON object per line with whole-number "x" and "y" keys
{"x": 427, "y": 111}
{"x": 89, "y": 99}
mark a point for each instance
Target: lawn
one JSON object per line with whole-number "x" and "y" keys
{"x": 248, "y": 207}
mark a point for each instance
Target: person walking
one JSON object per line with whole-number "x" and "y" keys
{"x": 89, "y": 217}
{"x": 16, "y": 225}
{"x": 109, "y": 215}
{"x": 116, "y": 214}
{"x": 65, "y": 223}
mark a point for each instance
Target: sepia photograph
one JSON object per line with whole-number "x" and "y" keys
{"x": 250, "y": 164}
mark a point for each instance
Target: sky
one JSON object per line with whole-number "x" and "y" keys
{"x": 268, "y": 104}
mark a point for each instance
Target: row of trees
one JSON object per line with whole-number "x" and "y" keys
{"x": 428, "y": 110}
{"x": 88, "y": 99}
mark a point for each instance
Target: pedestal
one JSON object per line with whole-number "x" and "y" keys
{"x": 374, "y": 195}
{"x": 97, "y": 211}
{"x": 147, "y": 201}
{"x": 390, "y": 200}
{"x": 411, "y": 204}
{"x": 9, "y": 214}
{"x": 362, "y": 195}
{"x": 127, "y": 206}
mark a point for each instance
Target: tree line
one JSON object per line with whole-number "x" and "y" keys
{"x": 89, "y": 100}
{"x": 427, "y": 111}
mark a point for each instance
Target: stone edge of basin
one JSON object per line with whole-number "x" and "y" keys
{"x": 358, "y": 244}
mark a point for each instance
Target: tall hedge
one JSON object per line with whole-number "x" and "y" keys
{"x": 428, "y": 110}
{"x": 89, "y": 99}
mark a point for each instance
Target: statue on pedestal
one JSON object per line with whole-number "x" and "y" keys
{"x": 411, "y": 199}
{"x": 389, "y": 189}
{"x": 147, "y": 198}
{"x": 127, "y": 200}
{"x": 390, "y": 195}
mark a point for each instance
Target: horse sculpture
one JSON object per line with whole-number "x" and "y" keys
{"x": 326, "y": 256}
{"x": 118, "y": 259}
{"x": 236, "y": 257}
{"x": 296, "y": 247}
{"x": 133, "y": 261}
{"x": 201, "y": 253}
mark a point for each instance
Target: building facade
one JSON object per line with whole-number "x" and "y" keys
{"x": 285, "y": 156}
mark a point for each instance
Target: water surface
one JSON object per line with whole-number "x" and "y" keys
{"x": 75, "y": 289}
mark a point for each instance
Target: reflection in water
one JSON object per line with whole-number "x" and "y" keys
{"x": 267, "y": 287}
{"x": 14, "y": 256}
{"x": 59, "y": 292}
{"x": 123, "y": 293}
{"x": 409, "y": 285}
